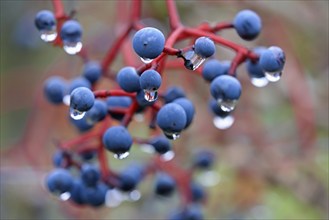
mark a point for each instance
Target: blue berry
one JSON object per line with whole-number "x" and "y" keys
{"x": 204, "y": 159}
{"x": 214, "y": 107}
{"x": 148, "y": 42}
{"x": 197, "y": 191}
{"x": 161, "y": 144}
{"x": 76, "y": 192}
{"x": 254, "y": 68}
{"x": 55, "y": 88}
{"x": 128, "y": 79}
{"x": 117, "y": 102}
{"x": 117, "y": 139}
{"x": 88, "y": 155}
{"x": 94, "y": 196}
{"x": 59, "y": 181}
{"x": 82, "y": 99}
{"x": 204, "y": 47}
{"x": 130, "y": 177}
{"x": 92, "y": 71}
{"x": 188, "y": 108}
{"x": 193, "y": 212}
{"x": 82, "y": 125}
{"x": 79, "y": 82}
{"x": 150, "y": 80}
{"x": 90, "y": 175}
{"x": 45, "y": 21}
{"x": 272, "y": 59}
{"x": 71, "y": 32}
{"x": 97, "y": 112}
{"x": 59, "y": 159}
{"x": 213, "y": 68}
{"x": 140, "y": 97}
{"x": 164, "y": 184}
{"x": 171, "y": 118}
{"x": 172, "y": 93}
{"x": 225, "y": 87}
{"x": 247, "y": 24}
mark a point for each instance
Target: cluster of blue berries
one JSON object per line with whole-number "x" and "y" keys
{"x": 87, "y": 187}
{"x": 174, "y": 112}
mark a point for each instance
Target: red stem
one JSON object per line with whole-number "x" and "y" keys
{"x": 221, "y": 26}
{"x": 104, "y": 167}
{"x": 136, "y": 8}
{"x": 220, "y": 40}
{"x": 114, "y": 49}
{"x": 107, "y": 93}
{"x": 79, "y": 140}
{"x": 174, "y": 19}
{"x": 58, "y": 9}
{"x": 171, "y": 51}
{"x": 130, "y": 113}
{"x": 239, "y": 58}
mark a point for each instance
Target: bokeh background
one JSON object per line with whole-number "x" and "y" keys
{"x": 271, "y": 164}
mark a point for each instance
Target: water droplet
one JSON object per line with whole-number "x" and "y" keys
{"x": 121, "y": 156}
{"x": 67, "y": 100}
{"x": 134, "y": 195}
{"x": 72, "y": 48}
{"x": 209, "y": 178}
{"x": 227, "y": 105}
{"x": 169, "y": 155}
{"x": 139, "y": 117}
{"x": 146, "y": 60}
{"x": 76, "y": 115}
{"x": 259, "y": 82}
{"x": 147, "y": 148}
{"x": 150, "y": 95}
{"x": 65, "y": 196}
{"x": 273, "y": 76}
{"x": 113, "y": 198}
{"x": 192, "y": 60}
{"x": 48, "y": 36}
{"x": 172, "y": 135}
{"x": 223, "y": 122}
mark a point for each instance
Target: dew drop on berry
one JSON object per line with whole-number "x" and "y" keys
{"x": 139, "y": 117}
{"x": 134, "y": 196}
{"x": 121, "y": 156}
{"x": 172, "y": 135}
{"x": 150, "y": 95}
{"x": 209, "y": 178}
{"x": 113, "y": 198}
{"x": 192, "y": 61}
{"x": 259, "y": 82}
{"x": 67, "y": 100}
{"x": 76, "y": 115}
{"x": 48, "y": 36}
{"x": 147, "y": 148}
{"x": 227, "y": 105}
{"x": 146, "y": 60}
{"x": 273, "y": 76}
{"x": 65, "y": 196}
{"x": 169, "y": 155}
{"x": 223, "y": 122}
{"x": 72, "y": 48}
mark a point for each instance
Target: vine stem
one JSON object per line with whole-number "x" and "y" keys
{"x": 114, "y": 92}
{"x": 174, "y": 19}
{"x": 113, "y": 51}
{"x": 59, "y": 9}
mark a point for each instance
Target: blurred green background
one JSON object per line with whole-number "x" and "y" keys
{"x": 270, "y": 165}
